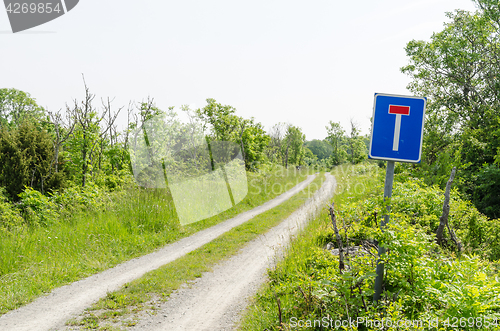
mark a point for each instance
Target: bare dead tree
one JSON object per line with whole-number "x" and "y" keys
{"x": 443, "y": 221}
{"x": 109, "y": 129}
{"x": 354, "y": 134}
{"x": 243, "y": 125}
{"x": 83, "y": 115}
{"x": 288, "y": 142}
{"x": 277, "y": 135}
{"x": 130, "y": 112}
{"x": 146, "y": 111}
{"x": 61, "y": 137}
{"x": 88, "y": 119}
{"x": 339, "y": 239}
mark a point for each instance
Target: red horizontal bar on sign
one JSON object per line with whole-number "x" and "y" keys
{"x": 400, "y": 110}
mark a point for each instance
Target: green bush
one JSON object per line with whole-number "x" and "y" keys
{"x": 90, "y": 197}
{"x": 422, "y": 280}
{"x": 421, "y": 205}
{"x": 26, "y": 159}
{"x": 486, "y": 194}
{"x": 9, "y": 215}
{"x": 36, "y": 208}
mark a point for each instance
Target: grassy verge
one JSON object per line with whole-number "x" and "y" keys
{"x": 37, "y": 259}
{"x": 426, "y": 286}
{"x": 294, "y": 278}
{"x": 118, "y": 310}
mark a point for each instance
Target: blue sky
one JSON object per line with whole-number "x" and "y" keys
{"x": 302, "y": 62}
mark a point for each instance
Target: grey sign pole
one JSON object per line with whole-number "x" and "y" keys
{"x": 389, "y": 178}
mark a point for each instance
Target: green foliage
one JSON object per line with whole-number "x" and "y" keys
{"x": 17, "y": 106}
{"x": 422, "y": 280}
{"x": 357, "y": 149}
{"x": 13, "y": 169}
{"x": 458, "y": 69}
{"x": 226, "y": 126}
{"x": 37, "y": 209}
{"x": 337, "y": 139}
{"x": 26, "y": 159}
{"x": 76, "y": 198}
{"x": 309, "y": 157}
{"x": 81, "y": 151}
{"x": 417, "y": 203}
{"x": 462, "y": 288}
{"x": 255, "y": 141}
{"x": 95, "y": 230}
{"x": 9, "y": 215}
{"x": 486, "y": 195}
{"x": 322, "y": 149}
{"x": 352, "y": 147}
{"x": 294, "y": 142}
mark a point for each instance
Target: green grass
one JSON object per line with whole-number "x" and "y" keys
{"x": 159, "y": 284}
{"x": 423, "y": 281}
{"x": 35, "y": 260}
{"x": 353, "y": 183}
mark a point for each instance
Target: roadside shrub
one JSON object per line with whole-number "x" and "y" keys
{"x": 486, "y": 195}
{"x": 422, "y": 281}
{"x": 115, "y": 181}
{"x": 26, "y": 156}
{"x": 9, "y": 215}
{"x": 90, "y": 197}
{"x": 422, "y": 206}
{"x": 36, "y": 208}
{"x": 462, "y": 288}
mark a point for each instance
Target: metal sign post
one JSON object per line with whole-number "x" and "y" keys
{"x": 397, "y": 134}
{"x": 389, "y": 178}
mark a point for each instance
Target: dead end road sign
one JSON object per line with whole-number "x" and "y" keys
{"x": 397, "y": 133}
{"x": 397, "y": 128}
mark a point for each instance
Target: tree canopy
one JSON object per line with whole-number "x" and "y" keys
{"x": 458, "y": 70}
{"x": 16, "y": 106}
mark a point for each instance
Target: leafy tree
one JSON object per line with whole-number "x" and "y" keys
{"x": 226, "y": 126}
{"x": 337, "y": 139}
{"x": 17, "y": 106}
{"x": 458, "y": 70}
{"x": 309, "y": 157}
{"x": 486, "y": 194}
{"x": 221, "y": 119}
{"x": 255, "y": 140}
{"x": 85, "y": 137}
{"x": 26, "y": 159}
{"x": 295, "y": 145}
{"x": 356, "y": 145}
{"x": 275, "y": 150}
{"x": 322, "y": 149}
{"x": 13, "y": 169}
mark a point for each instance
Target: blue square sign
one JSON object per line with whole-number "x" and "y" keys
{"x": 397, "y": 128}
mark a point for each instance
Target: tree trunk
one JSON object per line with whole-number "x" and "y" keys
{"x": 84, "y": 164}
{"x": 242, "y": 146}
{"x": 443, "y": 221}
{"x": 339, "y": 239}
{"x": 286, "y": 154}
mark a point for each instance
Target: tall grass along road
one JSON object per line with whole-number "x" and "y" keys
{"x": 52, "y": 311}
{"x": 215, "y": 300}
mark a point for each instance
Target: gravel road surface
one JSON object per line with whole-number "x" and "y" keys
{"x": 215, "y": 301}
{"x": 50, "y": 312}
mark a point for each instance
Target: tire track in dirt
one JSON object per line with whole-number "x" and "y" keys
{"x": 50, "y": 312}
{"x": 216, "y": 300}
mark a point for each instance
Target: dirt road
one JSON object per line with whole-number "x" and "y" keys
{"x": 52, "y": 311}
{"x": 214, "y": 301}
